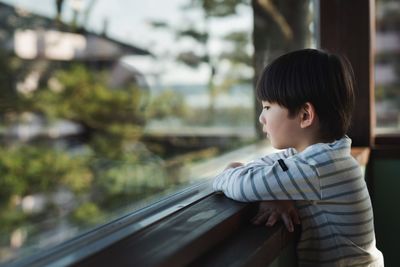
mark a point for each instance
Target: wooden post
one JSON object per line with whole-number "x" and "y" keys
{"x": 347, "y": 27}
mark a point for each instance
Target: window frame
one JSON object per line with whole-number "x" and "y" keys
{"x": 335, "y": 38}
{"x": 95, "y": 240}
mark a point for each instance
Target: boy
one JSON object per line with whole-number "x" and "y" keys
{"x": 307, "y": 98}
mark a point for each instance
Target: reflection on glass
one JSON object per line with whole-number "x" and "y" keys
{"x": 105, "y": 105}
{"x": 387, "y": 66}
{"x": 102, "y": 103}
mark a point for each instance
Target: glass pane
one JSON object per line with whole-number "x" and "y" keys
{"x": 106, "y": 106}
{"x": 387, "y": 66}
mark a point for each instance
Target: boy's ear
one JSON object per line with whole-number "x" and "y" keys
{"x": 307, "y": 115}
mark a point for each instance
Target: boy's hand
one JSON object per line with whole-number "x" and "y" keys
{"x": 269, "y": 213}
{"x": 234, "y": 165}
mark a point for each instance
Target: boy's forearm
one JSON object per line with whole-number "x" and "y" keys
{"x": 236, "y": 183}
{"x": 225, "y": 182}
{"x": 257, "y": 182}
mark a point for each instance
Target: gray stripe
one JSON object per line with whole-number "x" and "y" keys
{"x": 307, "y": 180}
{"x": 334, "y": 203}
{"x": 317, "y": 153}
{"x": 306, "y": 163}
{"x": 280, "y": 183}
{"x": 270, "y": 161}
{"x": 363, "y": 264}
{"x": 343, "y": 182}
{"x": 340, "y": 171}
{"x": 221, "y": 181}
{"x": 333, "y": 259}
{"x": 324, "y": 163}
{"x": 346, "y": 193}
{"x": 299, "y": 207}
{"x": 232, "y": 181}
{"x": 335, "y": 213}
{"x": 334, "y": 235}
{"x": 265, "y": 181}
{"x": 301, "y": 160}
{"x": 319, "y": 238}
{"x": 296, "y": 185}
{"x": 242, "y": 190}
{"x": 253, "y": 186}
{"x": 325, "y": 151}
{"x": 319, "y": 249}
{"x": 336, "y": 224}
{"x": 344, "y": 203}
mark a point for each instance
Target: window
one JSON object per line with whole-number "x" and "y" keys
{"x": 387, "y": 71}
{"x": 107, "y": 106}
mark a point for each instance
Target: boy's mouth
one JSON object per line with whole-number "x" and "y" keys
{"x": 266, "y": 133}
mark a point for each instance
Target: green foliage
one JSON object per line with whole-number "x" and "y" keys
{"x": 133, "y": 180}
{"x": 87, "y": 214}
{"x": 191, "y": 59}
{"x": 387, "y": 92}
{"x": 11, "y": 219}
{"x": 239, "y": 54}
{"x": 8, "y": 95}
{"x": 112, "y": 165}
{"x": 28, "y": 169}
{"x": 167, "y": 104}
{"x": 86, "y": 99}
{"x": 199, "y": 36}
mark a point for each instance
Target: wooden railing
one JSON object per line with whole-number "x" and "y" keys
{"x": 214, "y": 231}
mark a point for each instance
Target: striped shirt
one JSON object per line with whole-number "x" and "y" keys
{"x": 330, "y": 193}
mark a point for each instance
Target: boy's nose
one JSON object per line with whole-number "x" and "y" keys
{"x": 261, "y": 119}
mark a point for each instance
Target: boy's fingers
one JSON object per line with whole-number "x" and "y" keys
{"x": 234, "y": 165}
{"x": 288, "y": 222}
{"x": 272, "y": 219}
{"x": 295, "y": 216}
{"x": 260, "y": 218}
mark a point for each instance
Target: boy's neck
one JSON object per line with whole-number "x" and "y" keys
{"x": 311, "y": 140}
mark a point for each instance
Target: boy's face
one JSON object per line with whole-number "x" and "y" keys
{"x": 282, "y": 131}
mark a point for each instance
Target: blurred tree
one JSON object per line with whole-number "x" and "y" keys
{"x": 279, "y": 27}
{"x": 84, "y": 98}
{"x": 33, "y": 169}
{"x": 239, "y": 55}
{"x": 112, "y": 120}
{"x": 87, "y": 214}
{"x": 167, "y": 104}
{"x": 77, "y": 8}
{"x": 59, "y": 7}
{"x": 8, "y": 94}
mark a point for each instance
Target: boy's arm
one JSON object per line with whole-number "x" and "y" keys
{"x": 271, "y": 158}
{"x": 287, "y": 179}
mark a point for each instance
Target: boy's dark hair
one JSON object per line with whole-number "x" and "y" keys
{"x": 309, "y": 75}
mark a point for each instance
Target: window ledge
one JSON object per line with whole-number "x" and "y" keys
{"x": 214, "y": 231}
{"x": 103, "y": 237}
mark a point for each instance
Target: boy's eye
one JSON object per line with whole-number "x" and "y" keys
{"x": 266, "y": 107}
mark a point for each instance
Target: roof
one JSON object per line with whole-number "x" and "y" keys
{"x": 13, "y": 20}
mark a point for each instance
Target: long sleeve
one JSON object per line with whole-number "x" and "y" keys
{"x": 269, "y": 179}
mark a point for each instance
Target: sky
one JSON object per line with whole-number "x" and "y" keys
{"x": 128, "y": 21}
